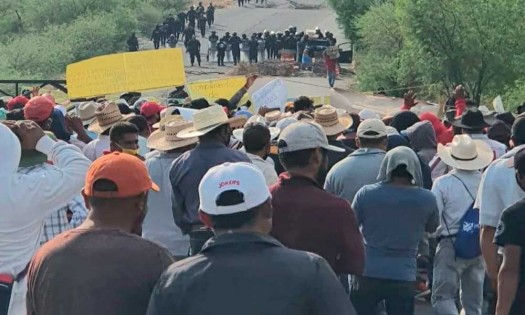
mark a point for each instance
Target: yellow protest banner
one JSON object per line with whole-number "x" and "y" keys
{"x": 215, "y": 89}
{"x": 321, "y": 100}
{"x": 117, "y": 73}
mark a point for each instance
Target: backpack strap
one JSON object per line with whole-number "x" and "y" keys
{"x": 465, "y": 186}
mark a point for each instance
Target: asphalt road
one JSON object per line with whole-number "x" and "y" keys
{"x": 281, "y": 15}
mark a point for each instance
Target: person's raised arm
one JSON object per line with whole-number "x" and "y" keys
{"x": 236, "y": 98}
{"x": 55, "y": 186}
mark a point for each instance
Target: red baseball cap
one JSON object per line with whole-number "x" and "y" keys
{"x": 127, "y": 172}
{"x": 38, "y": 109}
{"x": 19, "y": 100}
{"x": 149, "y": 109}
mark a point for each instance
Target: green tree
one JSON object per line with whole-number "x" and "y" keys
{"x": 476, "y": 43}
{"x": 348, "y": 11}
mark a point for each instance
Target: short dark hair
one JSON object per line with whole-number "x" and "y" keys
{"x": 234, "y": 221}
{"x": 303, "y": 103}
{"x": 139, "y": 121}
{"x": 105, "y": 185}
{"x": 300, "y": 158}
{"x": 214, "y": 132}
{"x": 119, "y": 129}
{"x": 225, "y": 103}
{"x": 401, "y": 172}
{"x": 199, "y": 103}
{"x": 518, "y": 131}
{"x": 255, "y": 137}
{"x": 371, "y": 142}
{"x": 15, "y": 114}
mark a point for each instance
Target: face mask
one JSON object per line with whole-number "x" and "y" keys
{"x": 128, "y": 151}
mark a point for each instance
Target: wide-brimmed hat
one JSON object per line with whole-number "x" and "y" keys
{"x": 106, "y": 118}
{"x": 166, "y": 139}
{"x": 466, "y": 154}
{"x": 86, "y": 112}
{"x": 332, "y": 122}
{"x": 472, "y": 118}
{"x": 166, "y": 120}
{"x": 274, "y": 133}
{"x": 206, "y": 120}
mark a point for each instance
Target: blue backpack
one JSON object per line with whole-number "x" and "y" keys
{"x": 466, "y": 244}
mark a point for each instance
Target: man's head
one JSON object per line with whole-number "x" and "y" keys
{"x": 234, "y": 197}
{"x": 116, "y": 191}
{"x": 303, "y": 150}
{"x": 124, "y": 137}
{"x": 517, "y": 136}
{"x": 256, "y": 138}
{"x": 39, "y": 109}
{"x": 142, "y": 125}
{"x": 372, "y": 133}
{"x": 151, "y": 111}
{"x": 303, "y": 103}
{"x": 17, "y": 102}
{"x": 519, "y": 167}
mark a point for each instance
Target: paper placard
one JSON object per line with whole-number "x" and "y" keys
{"x": 125, "y": 72}
{"x": 186, "y": 113}
{"x": 273, "y": 95}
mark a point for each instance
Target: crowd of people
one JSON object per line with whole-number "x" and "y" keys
{"x": 186, "y": 26}
{"x": 124, "y": 207}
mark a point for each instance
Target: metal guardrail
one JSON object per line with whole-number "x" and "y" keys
{"x": 58, "y": 84}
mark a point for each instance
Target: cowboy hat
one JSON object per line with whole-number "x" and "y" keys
{"x": 274, "y": 115}
{"x": 274, "y": 133}
{"x": 166, "y": 120}
{"x": 106, "y": 117}
{"x": 166, "y": 139}
{"x": 463, "y": 153}
{"x": 472, "y": 118}
{"x": 206, "y": 120}
{"x": 86, "y": 112}
{"x": 332, "y": 122}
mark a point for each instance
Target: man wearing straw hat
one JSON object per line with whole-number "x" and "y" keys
{"x": 334, "y": 123}
{"x": 212, "y": 126}
{"x": 455, "y": 194}
{"x": 105, "y": 118}
{"x": 159, "y": 225}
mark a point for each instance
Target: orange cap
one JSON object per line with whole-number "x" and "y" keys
{"x": 129, "y": 174}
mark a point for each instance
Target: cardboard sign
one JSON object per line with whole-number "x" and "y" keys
{"x": 273, "y": 95}
{"x": 117, "y": 73}
{"x": 212, "y": 90}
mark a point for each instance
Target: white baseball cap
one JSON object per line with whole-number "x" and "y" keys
{"x": 242, "y": 177}
{"x": 372, "y": 129}
{"x": 304, "y": 135}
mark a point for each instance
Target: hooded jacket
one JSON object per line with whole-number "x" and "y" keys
{"x": 26, "y": 200}
{"x": 422, "y": 138}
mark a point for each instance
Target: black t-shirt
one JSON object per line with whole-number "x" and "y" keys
{"x": 511, "y": 231}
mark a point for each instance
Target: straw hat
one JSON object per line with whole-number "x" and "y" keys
{"x": 166, "y": 139}
{"x": 331, "y": 121}
{"x": 167, "y": 111}
{"x": 86, "y": 112}
{"x": 206, "y": 120}
{"x": 273, "y": 116}
{"x": 466, "y": 154}
{"x": 274, "y": 133}
{"x": 106, "y": 118}
{"x": 165, "y": 120}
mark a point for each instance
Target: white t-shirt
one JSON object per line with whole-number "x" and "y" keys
{"x": 498, "y": 189}
{"x": 452, "y": 198}
{"x": 96, "y": 148}
{"x": 267, "y": 168}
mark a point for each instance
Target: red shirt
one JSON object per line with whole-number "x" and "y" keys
{"x": 330, "y": 64}
{"x": 305, "y": 217}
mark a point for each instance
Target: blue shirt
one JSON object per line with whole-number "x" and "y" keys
{"x": 186, "y": 173}
{"x": 393, "y": 219}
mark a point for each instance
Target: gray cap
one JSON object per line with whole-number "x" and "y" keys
{"x": 304, "y": 135}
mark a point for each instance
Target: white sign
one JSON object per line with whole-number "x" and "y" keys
{"x": 186, "y": 113}
{"x": 498, "y": 105}
{"x": 272, "y": 95}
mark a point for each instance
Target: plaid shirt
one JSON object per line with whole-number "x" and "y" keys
{"x": 57, "y": 222}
